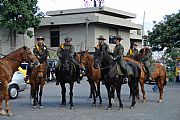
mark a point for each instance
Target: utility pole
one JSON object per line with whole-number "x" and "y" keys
{"x": 143, "y": 30}
{"x": 87, "y": 27}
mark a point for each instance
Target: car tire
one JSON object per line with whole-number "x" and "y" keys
{"x": 13, "y": 91}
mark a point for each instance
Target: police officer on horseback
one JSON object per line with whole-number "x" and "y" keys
{"x": 40, "y": 50}
{"x": 103, "y": 47}
{"x": 133, "y": 51}
{"x": 67, "y": 47}
{"x": 146, "y": 59}
{"x": 118, "y": 55}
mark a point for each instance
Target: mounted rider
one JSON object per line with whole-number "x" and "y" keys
{"x": 146, "y": 59}
{"x": 118, "y": 55}
{"x": 67, "y": 47}
{"x": 103, "y": 47}
{"x": 133, "y": 51}
{"x": 40, "y": 50}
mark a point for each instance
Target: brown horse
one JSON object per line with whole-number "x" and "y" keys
{"x": 159, "y": 75}
{"x": 93, "y": 74}
{"x": 37, "y": 81}
{"x": 8, "y": 65}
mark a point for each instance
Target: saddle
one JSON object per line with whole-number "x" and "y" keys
{"x": 128, "y": 68}
{"x": 152, "y": 69}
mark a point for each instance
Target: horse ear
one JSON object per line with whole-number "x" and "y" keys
{"x": 24, "y": 47}
{"x": 95, "y": 48}
{"x": 87, "y": 50}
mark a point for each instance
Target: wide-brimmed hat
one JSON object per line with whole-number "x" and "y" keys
{"x": 40, "y": 38}
{"x": 135, "y": 44}
{"x": 68, "y": 38}
{"x": 101, "y": 37}
{"x": 118, "y": 37}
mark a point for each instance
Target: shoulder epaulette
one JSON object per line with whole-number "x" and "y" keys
{"x": 62, "y": 46}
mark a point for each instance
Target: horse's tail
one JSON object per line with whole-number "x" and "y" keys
{"x": 166, "y": 78}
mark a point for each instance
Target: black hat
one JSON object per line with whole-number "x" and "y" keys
{"x": 118, "y": 37}
{"x": 101, "y": 37}
{"x": 40, "y": 38}
{"x": 68, "y": 38}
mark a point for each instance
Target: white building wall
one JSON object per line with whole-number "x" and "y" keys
{"x": 21, "y": 40}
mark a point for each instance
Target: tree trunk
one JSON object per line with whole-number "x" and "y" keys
{"x": 13, "y": 40}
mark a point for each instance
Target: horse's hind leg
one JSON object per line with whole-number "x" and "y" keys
{"x": 160, "y": 86}
{"x": 63, "y": 92}
{"x": 142, "y": 89}
{"x": 71, "y": 95}
{"x": 6, "y": 96}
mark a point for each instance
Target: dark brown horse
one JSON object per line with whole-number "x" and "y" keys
{"x": 113, "y": 77}
{"x": 8, "y": 65}
{"x": 159, "y": 75}
{"x": 93, "y": 74}
{"x": 66, "y": 74}
{"x": 37, "y": 81}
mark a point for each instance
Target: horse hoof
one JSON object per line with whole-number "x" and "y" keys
{"x": 108, "y": 108}
{"x": 160, "y": 101}
{"x": 2, "y": 113}
{"x": 41, "y": 107}
{"x": 94, "y": 104}
{"x": 71, "y": 108}
{"x": 9, "y": 114}
{"x": 112, "y": 100}
{"x": 34, "y": 106}
{"x": 131, "y": 107}
{"x": 100, "y": 105}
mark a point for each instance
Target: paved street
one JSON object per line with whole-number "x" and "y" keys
{"x": 151, "y": 110}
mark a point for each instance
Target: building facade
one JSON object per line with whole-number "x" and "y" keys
{"x": 85, "y": 25}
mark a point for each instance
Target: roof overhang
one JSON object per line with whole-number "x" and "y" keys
{"x": 92, "y": 17}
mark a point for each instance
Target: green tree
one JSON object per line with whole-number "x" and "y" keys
{"x": 166, "y": 33}
{"x": 18, "y": 16}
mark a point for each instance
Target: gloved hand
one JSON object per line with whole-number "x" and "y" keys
{"x": 117, "y": 58}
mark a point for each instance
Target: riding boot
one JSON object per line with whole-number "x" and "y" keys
{"x": 148, "y": 78}
{"x": 56, "y": 74}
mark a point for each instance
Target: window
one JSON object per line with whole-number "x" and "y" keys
{"x": 138, "y": 32}
{"x": 112, "y": 33}
{"x": 55, "y": 39}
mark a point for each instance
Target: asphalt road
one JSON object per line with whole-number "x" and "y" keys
{"x": 151, "y": 110}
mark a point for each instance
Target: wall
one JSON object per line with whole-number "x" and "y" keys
{"x": 21, "y": 40}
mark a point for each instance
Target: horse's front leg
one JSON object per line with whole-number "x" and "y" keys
{"x": 118, "y": 92}
{"x": 1, "y": 100}
{"x": 33, "y": 94}
{"x": 63, "y": 92}
{"x": 71, "y": 95}
{"x": 99, "y": 92}
{"x": 6, "y": 96}
{"x": 40, "y": 96}
{"x": 109, "y": 96}
{"x": 132, "y": 91}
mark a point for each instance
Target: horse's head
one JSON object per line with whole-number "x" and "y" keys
{"x": 66, "y": 60}
{"x": 83, "y": 61}
{"x": 103, "y": 57}
{"x": 28, "y": 56}
{"x": 41, "y": 70}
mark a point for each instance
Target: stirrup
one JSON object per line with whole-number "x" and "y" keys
{"x": 125, "y": 80}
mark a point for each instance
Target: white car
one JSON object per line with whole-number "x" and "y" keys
{"x": 16, "y": 85}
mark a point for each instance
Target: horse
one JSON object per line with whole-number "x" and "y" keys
{"x": 113, "y": 78}
{"x": 66, "y": 74}
{"x": 8, "y": 65}
{"x": 159, "y": 75}
{"x": 93, "y": 74}
{"x": 37, "y": 79}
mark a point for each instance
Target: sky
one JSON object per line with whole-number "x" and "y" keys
{"x": 154, "y": 9}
